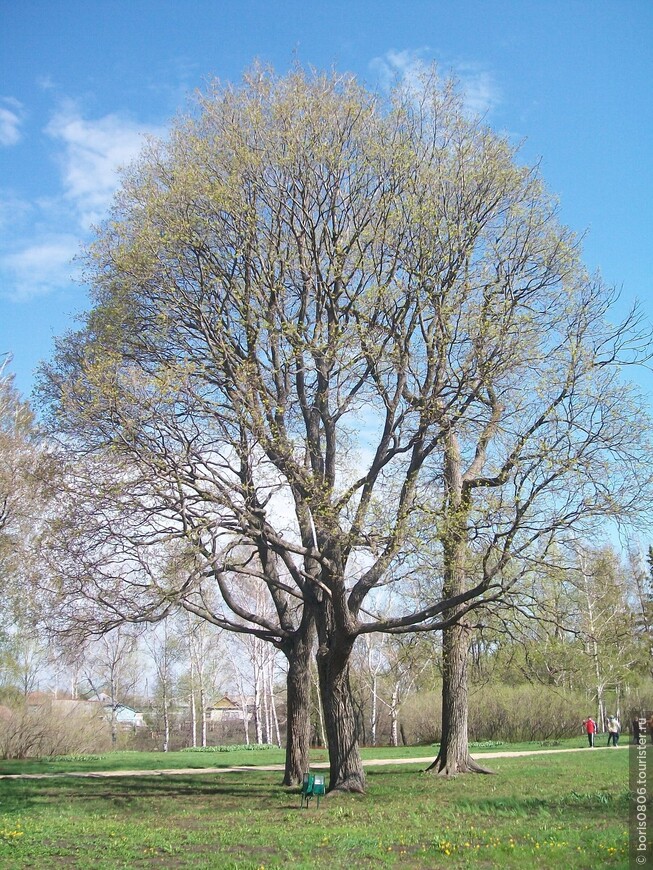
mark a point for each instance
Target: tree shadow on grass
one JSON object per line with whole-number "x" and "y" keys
{"x": 22, "y": 794}
{"x": 553, "y": 805}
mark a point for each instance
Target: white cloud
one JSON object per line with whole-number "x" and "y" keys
{"x": 41, "y": 237}
{"x": 41, "y": 267}
{"x": 14, "y": 210}
{"x": 93, "y": 152}
{"x": 479, "y": 90}
{"x": 404, "y": 66}
{"x": 11, "y": 118}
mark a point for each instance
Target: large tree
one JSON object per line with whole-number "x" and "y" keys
{"x": 330, "y": 330}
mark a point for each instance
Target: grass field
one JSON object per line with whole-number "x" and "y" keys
{"x": 545, "y": 811}
{"x": 237, "y": 757}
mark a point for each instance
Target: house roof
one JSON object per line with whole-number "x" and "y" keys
{"x": 224, "y": 703}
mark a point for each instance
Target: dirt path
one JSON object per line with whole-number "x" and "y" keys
{"x": 371, "y": 762}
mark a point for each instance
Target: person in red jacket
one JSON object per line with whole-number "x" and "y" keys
{"x": 590, "y": 729}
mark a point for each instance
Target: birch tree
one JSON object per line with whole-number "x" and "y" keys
{"x": 109, "y": 668}
{"x": 206, "y": 670}
{"x": 164, "y": 649}
{"x": 606, "y": 625}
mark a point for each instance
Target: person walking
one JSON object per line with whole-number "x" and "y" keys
{"x": 590, "y": 729}
{"x": 614, "y": 727}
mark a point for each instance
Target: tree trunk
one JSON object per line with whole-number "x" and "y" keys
{"x": 454, "y": 756}
{"x": 394, "y": 715}
{"x": 166, "y": 722}
{"x": 193, "y": 718}
{"x": 320, "y": 729}
{"x": 258, "y": 726}
{"x": 114, "y": 710}
{"x": 243, "y": 708}
{"x": 203, "y": 709}
{"x": 345, "y": 764}
{"x": 375, "y": 708}
{"x": 273, "y": 705}
{"x": 298, "y": 703}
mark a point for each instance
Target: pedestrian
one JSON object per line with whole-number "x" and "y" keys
{"x": 614, "y": 727}
{"x": 636, "y": 730}
{"x": 590, "y": 729}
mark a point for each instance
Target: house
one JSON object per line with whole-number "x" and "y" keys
{"x": 224, "y": 710}
{"x": 125, "y": 716}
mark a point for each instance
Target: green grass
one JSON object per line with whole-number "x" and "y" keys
{"x": 238, "y": 757}
{"x": 546, "y": 811}
{"x": 145, "y": 761}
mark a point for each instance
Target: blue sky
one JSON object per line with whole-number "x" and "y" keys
{"x": 82, "y": 82}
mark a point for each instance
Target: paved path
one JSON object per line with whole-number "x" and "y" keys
{"x": 370, "y": 762}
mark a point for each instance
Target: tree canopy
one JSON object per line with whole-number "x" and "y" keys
{"x": 332, "y": 334}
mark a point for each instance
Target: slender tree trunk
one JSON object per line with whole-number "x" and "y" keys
{"x": 275, "y": 734}
{"x": 258, "y": 725}
{"x": 114, "y": 718}
{"x": 345, "y": 764}
{"x": 243, "y": 707}
{"x": 166, "y": 720}
{"x": 203, "y": 710}
{"x": 594, "y": 647}
{"x": 265, "y": 697}
{"x": 600, "y": 701}
{"x": 394, "y": 715}
{"x": 193, "y": 718}
{"x": 193, "y": 700}
{"x": 375, "y": 708}
{"x": 268, "y": 715}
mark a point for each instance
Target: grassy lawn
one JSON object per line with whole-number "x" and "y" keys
{"x": 545, "y": 811}
{"x": 146, "y": 761}
{"x": 238, "y": 757}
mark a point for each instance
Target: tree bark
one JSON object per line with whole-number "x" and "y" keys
{"x": 273, "y": 706}
{"x": 454, "y": 756}
{"x": 375, "y": 709}
{"x": 258, "y": 725}
{"x": 345, "y": 763}
{"x": 298, "y": 702}
{"x": 394, "y": 715}
{"x": 203, "y": 710}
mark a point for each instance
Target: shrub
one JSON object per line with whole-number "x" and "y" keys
{"x": 525, "y": 713}
{"x": 46, "y": 730}
{"x": 500, "y": 713}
